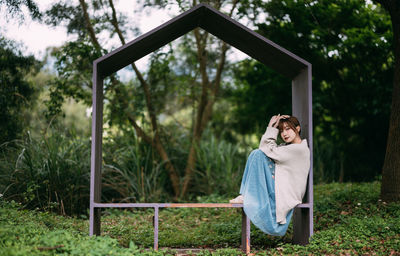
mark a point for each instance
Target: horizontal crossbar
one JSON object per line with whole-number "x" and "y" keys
{"x": 176, "y": 205}
{"x": 156, "y": 206}
{"x": 303, "y": 205}
{"x": 167, "y": 205}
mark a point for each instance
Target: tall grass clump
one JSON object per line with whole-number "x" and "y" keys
{"x": 219, "y": 168}
{"x": 52, "y": 172}
{"x": 132, "y": 171}
{"x": 49, "y": 173}
{"x": 328, "y": 163}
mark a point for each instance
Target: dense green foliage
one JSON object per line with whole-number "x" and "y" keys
{"x": 349, "y": 219}
{"x": 349, "y": 44}
{"x": 52, "y": 172}
{"x": 47, "y": 170}
{"x": 350, "y": 98}
{"x": 16, "y": 93}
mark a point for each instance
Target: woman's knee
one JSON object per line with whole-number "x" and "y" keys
{"x": 260, "y": 153}
{"x": 256, "y": 151}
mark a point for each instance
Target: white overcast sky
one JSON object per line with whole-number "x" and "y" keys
{"x": 36, "y": 37}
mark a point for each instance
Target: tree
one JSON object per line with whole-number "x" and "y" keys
{"x": 390, "y": 188}
{"x": 14, "y": 8}
{"x": 203, "y": 57}
{"x": 348, "y": 43}
{"x": 15, "y": 91}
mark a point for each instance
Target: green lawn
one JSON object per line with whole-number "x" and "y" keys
{"x": 349, "y": 219}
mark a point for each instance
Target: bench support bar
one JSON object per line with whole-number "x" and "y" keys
{"x": 245, "y": 220}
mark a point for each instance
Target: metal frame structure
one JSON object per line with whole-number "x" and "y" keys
{"x": 238, "y": 36}
{"x": 245, "y": 220}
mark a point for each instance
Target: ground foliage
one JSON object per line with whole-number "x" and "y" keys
{"x": 350, "y": 219}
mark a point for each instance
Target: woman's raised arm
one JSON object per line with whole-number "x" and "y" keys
{"x": 268, "y": 141}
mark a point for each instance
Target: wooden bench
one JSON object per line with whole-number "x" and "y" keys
{"x": 245, "y": 245}
{"x": 245, "y": 221}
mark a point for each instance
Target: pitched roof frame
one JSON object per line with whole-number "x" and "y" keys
{"x": 238, "y": 36}
{"x": 216, "y": 23}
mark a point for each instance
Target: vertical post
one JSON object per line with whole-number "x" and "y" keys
{"x": 156, "y": 228}
{"x": 301, "y": 225}
{"x": 95, "y": 164}
{"x": 302, "y": 108}
{"x": 245, "y": 233}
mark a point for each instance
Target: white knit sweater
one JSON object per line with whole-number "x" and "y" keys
{"x": 292, "y": 164}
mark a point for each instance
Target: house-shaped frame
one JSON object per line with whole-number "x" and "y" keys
{"x": 238, "y": 36}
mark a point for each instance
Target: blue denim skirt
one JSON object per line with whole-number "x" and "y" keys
{"x": 258, "y": 190}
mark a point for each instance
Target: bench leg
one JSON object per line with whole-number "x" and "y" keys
{"x": 245, "y": 233}
{"x": 155, "y": 221}
{"x": 94, "y": 221}
{"x": 302, "y": 225}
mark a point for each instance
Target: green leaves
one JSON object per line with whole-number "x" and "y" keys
{"x": 14, "y": 8}
{"x": 50, "y": 173}
{"x": 349, "y": 46}
{"x": 15, "y": 91}
{"x": 74, "y": 65}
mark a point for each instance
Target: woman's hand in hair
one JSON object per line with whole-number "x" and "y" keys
{"x": 275, "y": 120}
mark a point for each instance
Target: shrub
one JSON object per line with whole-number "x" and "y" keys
{"x": 131, "y": 172}
{"x": 219, "y": 167}
{"x": 51, "y": 173}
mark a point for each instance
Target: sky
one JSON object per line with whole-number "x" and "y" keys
{"x": 36, "y": 37}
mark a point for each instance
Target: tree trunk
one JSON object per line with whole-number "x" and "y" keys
{"x": 390, "y": 188}
{"x": 341, "y": 172}
{"x": 155, "y": 141}
{"x": 208, "y": 98}
{"x": 205, "y": 109}
{"x": 201, "y": 42}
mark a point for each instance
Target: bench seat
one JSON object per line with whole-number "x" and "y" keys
{"x": 245, "y": 220}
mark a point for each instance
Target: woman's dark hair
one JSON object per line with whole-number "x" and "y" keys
{"x": 292, "y": 122}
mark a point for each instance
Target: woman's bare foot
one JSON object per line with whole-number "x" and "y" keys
{"x": 237, "y": 200}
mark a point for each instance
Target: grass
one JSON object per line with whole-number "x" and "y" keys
{"x": 349, "y": 220}
{"x": 52, "y": 171}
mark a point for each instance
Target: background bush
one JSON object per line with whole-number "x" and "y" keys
{"x": 52, "y": 172}
{"x": 49, "y": 173}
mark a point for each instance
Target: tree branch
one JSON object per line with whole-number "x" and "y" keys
{"x": 206, "y": 104}
{"x": 143, "y": 82}
{"x": 156, "y": 141}
{"x": 89, "y": 25}
{"x": 201, "y": 42}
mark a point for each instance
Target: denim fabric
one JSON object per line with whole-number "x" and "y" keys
{"x": 258, "y": 190}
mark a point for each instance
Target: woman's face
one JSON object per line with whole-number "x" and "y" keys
{"x": 288, "y": 134}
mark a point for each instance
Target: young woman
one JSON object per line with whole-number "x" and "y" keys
{"x": 275, "y": 177}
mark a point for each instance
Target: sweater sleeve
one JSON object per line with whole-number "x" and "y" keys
{"x": 270, "y": 148}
